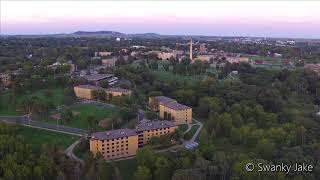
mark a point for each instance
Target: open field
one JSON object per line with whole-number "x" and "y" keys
{"x": 37, "y": 137}
{"x": 55, "y": 95}
{"x": 86, "y": 110}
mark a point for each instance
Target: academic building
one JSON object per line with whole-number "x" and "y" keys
{"x": 87, "y": 91}
{"x": 120, "y": 143}
{"x": 170, "y": 109}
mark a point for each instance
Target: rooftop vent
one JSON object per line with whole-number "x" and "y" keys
{"x": 122, "y": 132}
{"x": 108, "y": 134}
{"x": 149, "y": 124}
{"x": 162, "y": 124}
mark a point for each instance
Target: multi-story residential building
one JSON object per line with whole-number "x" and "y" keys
{"x": 154, "y": 102}
{"x": 87, "y": 91}
{"x": 114, "y": 144}
{"x": 176, "y": 112}
{"x": 170, "y": 109}
{"x": 122, "y": 143}
{"x": 148, "y": 129}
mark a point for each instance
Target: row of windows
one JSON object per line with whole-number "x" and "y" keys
{"x": 152, "y": 134}
{"x": 122, "y": 149}
{"x": 115, "y": 139}
{"x": 113, "y": 143}
{"x": 158, "y": 129}
{"x": 112, "y": 147}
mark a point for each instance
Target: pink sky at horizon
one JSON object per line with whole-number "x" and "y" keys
{"x": 246, "y": 18}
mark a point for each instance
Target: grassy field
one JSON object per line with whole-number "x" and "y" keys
{"x": 80, "y": 121}
{"x": 55, "y": 95}
{"x": 183, "y": 79}
{"x": 38, "y": 137}
{"x": 127, "y": 168}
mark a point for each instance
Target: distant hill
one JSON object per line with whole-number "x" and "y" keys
{"x": 99, "y": 33}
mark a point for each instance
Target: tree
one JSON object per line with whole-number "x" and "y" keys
{"x": 142, "y": 173}
{"x": 67, "y": 115}
{"x": 266, "y": 149}
{"x": 162, "y": 171}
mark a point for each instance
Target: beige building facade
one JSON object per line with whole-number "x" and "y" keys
{"x": 176, "y": 112}
{"x": 87, "y": 91}
{"x": 170, "y": 109}
{"x": 123, "y": 143}
{"x": 114, "y": 144}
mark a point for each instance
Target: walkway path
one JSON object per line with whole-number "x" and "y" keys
{"x": 69, "y": 151}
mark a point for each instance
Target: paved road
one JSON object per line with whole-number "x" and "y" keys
{"x": 23, "y": 120}
{"x": 196, "y": 135}
{"x": 69, "y": 151}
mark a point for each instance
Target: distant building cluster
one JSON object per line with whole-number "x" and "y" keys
{"x": 122, "y": 143}
{"x": 170, "y": 109}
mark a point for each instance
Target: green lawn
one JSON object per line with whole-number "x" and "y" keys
{"x": 55, "y": 95}
{"x": 127, "y": 168}
{"x": 38, "y": 137}
{"x": 80, "y": 121}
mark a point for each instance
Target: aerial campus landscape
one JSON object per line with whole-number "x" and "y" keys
{"x": 137, "y": 94}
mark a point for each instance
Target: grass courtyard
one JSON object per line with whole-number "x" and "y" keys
{"x": 38, "y": 137}
{"x": 86, "y": 110}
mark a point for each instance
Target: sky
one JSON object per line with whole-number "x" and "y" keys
{"x": 296, "y": 19}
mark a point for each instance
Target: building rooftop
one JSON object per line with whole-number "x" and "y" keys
{"x": 113, "y": 134}
{"x": 87, "y": 86}
{"x": 164, "y": 99}
{"x": 118, "y": 90}
{"x": 149, "y": 125}
{"x": 175, "y": 105}
{"x": 97, "y": 77}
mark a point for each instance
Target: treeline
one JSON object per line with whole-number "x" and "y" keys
{"x": 264, "y": 116}
{"x": 19, "y": 161}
